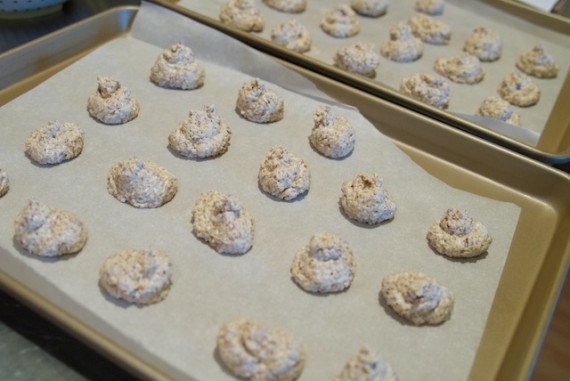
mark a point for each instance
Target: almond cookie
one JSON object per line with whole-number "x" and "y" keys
{"x": 283, "y": 175}
{"x": 367, "y": 366}
{"x": 538, "y": 63}
{"x": 292, "y": 35}
{"x": 364, "y": 200}
{"x": 254, "y": 351}
{"x": 427, "y": 88}
{"x": 289, "y": 6}
{"x": 259, "y": 104}
{"x": 359, "y": 58}
{"x": 370, "y": 8}
{"x": 331, "y": 135}
{"x": 55, "y": 143}
{"x": 430, "y": 30}
{"x": 403, "y": 45}
{"x": 4, "y": 183}
{"x": 519, "y": 90}
{"x": 417, "y": 298}
{"x": 176, "y": 68}
{"x": 112, "y": 103}
{"x": 497, "y": 108}
{"x": 341, "y": 22}
{"x": 430, "y": 7}
{"x": 242, "y": 14}
{"x": 463, "y": 68}
{"x": 484, "y": 44}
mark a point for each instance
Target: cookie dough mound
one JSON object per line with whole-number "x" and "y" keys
{"x": 364, "y": 200}
{"x": 292, "y": 35}
{"x": 430, "y": 30}
{"x": 201, "y": 135}
{"x": 418, "y": 298}
{"x": 254, "y": 351}
{"x": 497, "y": 108}
{"x": 176, "y": 68}
{"x": 242, "y": 14}
{"x": 456, "y": 235}
{"x": 55, "y": 143}
{"x": 4, "y": 183}
{"x": 259, "y": 104}
{"x": 137, "y": 276}
{"x": 484, "y": 44}
{"x": 142, "y": 184}
{"x": 538, "y": 63}
{"x": 463, "y": 68}
{"x": 403, "y": 45}
{"x": 359, "y": 58}
{"x": 223, "y": 223}
{"x": 325, "y": 265}
{"x": 112, "y": 103}
{"x": 370, "y": 8}
{"x": 367, "y": 366}
{"x": 341, "y": 22}
{"x": 331, "y": 135}
{"x": 283, "y": 175}
{"x": 289, "y": 6}
{"x": 519, "y": 90}
{"x": 427, "y": 88}
{"x": 430, "y": 7}
{"x": 47, "y": 231}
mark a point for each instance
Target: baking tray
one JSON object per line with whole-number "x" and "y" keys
{"x": 537, "y": 261}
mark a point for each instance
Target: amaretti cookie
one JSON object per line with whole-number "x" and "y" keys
{"x": 112, "y": 103}
{"x": 418, "y": 298}
{"x": 325, "y": 265}
{"x": 289, "y": 6}
{"x": 538, "y": 63}
{"x": 55, "y": 143}
{"x": 177, "y": 68}
{"x": 137, "y": 276}
{"x": 463, "y": 68}
{"x": 365, "y": 200}
{"x": 242, "y": 14}
{"x": 367, "y": 366}
{"x": 430, "y": 30}
{"x": 519, "y": 90}
{"x": 484, "y": 44}
{"x": 254, "y": 351}
{"x": 47, "y": 231}
{"x": 4, "y": 183}
{"x": 456, "y": 235}
{"x": 341, "y": 22}
{"x": 403, "y": 46}
{"x": 284, "y": 175}
{"x": 497, "y": 108}
{"x": 430, "y": 7}
{"x": 427, "y": 88}
{"x": 142, "y": 184}
{"x": 259, "y": 104}
{"x": 223, "y": 223}
{"x": 370, "y": 8}
{"x": 292, "y": 35}
{"x": 331, "y": 135}
{"x": 201, "y": 135}
{"x": 359, "y": 58}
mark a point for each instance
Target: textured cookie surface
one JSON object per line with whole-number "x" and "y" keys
{"x": 430, "y": 7}
{"x": 257, "y": 103}
{"x": 177, "y": 68}
{"x": 484, "y": 44}
{"x": 242, "y": 14}
{"x": 55, "y": 143}
{"x": 463, "y": 68}
{"x": 430, "y": 30}
{"x": 365, "y": 200}
{"x": 359, "y": 58}
{"x": 427, "y": 88}
{"x": 112, "y": 103}
{"x": 332, "y": 135}
{"x": 495, "y": 107}
{"x": 341, "y": 22}
{"x": 538, "y": 63}
{"x": 290, "y": 6}
{"x": 292, "y": 35}
{"x": 283, "y": 175}
{"x": 370, "y": 8}
{"x": 519, "y": 90}
{"x": 4, "y": 183}
{"x": 367, "y": 366}
{"x": 403, "y": 46}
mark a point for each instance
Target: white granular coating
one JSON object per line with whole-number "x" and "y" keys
{"x": 484, "y": 44}
{"x": 4, "y": 183}
{"x": 370, "y": 8}
{"x": 417, "y": 298}
{"x": 430, "y": 30}
{"x": 292, "y": 35}
{"x": 456, "y": 235}
{"x": 332, "y": 135}
{"x": 142, "y": 184}
{"x": 223, "y": 223}
{"x": 495, "y": 107}
{"x": 242, "y": 14}
{"x": 259, "y": 104}
{"x": 112, "y": 103}
{"x": 289, "y": 6}
{"x": 538, "y": 63}
{"x": 364, "y": 200}
{"x": 427, "y": 88}
{"x": 283, "y": 175}
{"x": 462, "y": 68}
{"x": 519, "y": 89}
{"x": 55, "y": 143}
{"x": 367, "y": 366}
{"x": 177, "y": 68}
{"x": 359, "y": 58}
{"x": 403, "y": 46}
{"x": 201, "y": 135}
{"x": 47, "y": 231}
{"x": 325, "y": 265}
{"x": 256, "y": 352}
{"x": 430, "y": 7}
{"x": 137, "y": 276}
{"x": 341, "y": 22}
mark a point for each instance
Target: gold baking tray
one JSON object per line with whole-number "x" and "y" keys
{"x": 537, "y": 261}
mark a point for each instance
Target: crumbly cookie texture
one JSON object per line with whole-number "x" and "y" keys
{"x": 427, "y": 88}
{"x": 430, "y": 7}
{"x": 430, "y": 30}
{"x": 359, "y": 58}
{"x": 367, "y": 366}
{"x": 284, "y": 175}
{"x": 55, "y": 143}
{"x": 456, "y": 235}
{"x": 519, "y": 90}
{"x": 341, "y": 22}
{"x": 538, "y": 63}
{"x": 201, "y": 135}
{"x": 495, "y": 107}
{"x": 47, "y": 231}
{"x": 292, "y": 35}
{"x": 325, "y": 265}
{"x": 462, "y": 68}
{"x": 484, "y": 44}
{"x": 177, "y": 68}
{"x": 137, "y": 276}
{"x": 289, "y": 6}
{"x": 223, "y": 223}
{"x": 112, "y": 103}
{"x": 418, "y": 298}
{"x": 331, "y": 135}
{"x": 242, "y": 14}
{"x": 142, "y": 184}
{"x": 259, "y": 104}
{"x": 4, "y": 183}
{"x": 364, "y": 200}
{"x": 370, "y": 8}
{"x": 255, "y": 351}
{"x": 403, "y": 46}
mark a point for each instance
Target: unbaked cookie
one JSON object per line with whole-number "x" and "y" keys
{"x": 201, "y": 135}
{"x": 223, "y": 223}
{"x": 538, "y": 63}
{"x": 341, "y": 22}
{"x": 331, "y": 135}
{"x": 430, "y": 30}
{"x": 137, "y": 276}
{"x": 289, "y": 6}
{"x": 112, "y": 103}
{"x": 242, "y": 14}
{"x": 292, "y": 35}
{"x": 403, "y": 45}
{"x": 497, "y": 108}
{"x": 370, "y": 8}
{"x": 367, "y": 366}
{"x": 177, "y": 68}
{"x": 55, "y": 143}
{"x": 430, "y": 7}
{"x": 253, "y": 351}
{"x": 259, "y": 104}
{"x": 417, "y": 298}
{"x": 4, "y": 183}
{"x": 364, "y": 200}
{"x": 359, "y": 58}
{"x": 427, "y": 88}
{"x": 519, "y": 90}
{"x": 484, "y": 44}
{"x": 142, "y": 184}
{"x": 283, "y": 175}
{"x": 463, "y": 68}
{"x": 47, "y": 231}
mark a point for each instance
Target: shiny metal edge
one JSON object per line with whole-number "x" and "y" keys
{"x": 546, "y": 20}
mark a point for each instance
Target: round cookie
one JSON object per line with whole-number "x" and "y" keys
{"x": 367, "y": 366}
{"x": 242, "y": 14}
{"x": 55, "y": 143}
{"x": 341, "y": 22}
{"x": 430, "y": 7}
{"x": 292, "y": 35}
{"x": 430, "y": 30}
{"x": 4, "y": 183}
{"x": 359, "y": 58}
{"x": 283, "y": 175}
{"x": 497, "y": 108}
{"x": 463, "y": 68}
{"x": 364, "y": 200}
{"x": 289, "y": 6}
{"x": 519, "y": 90}
{"x": 259, "y": 104}
{"x": 403, "y": 46}
{"x": 112, "y": 103}
{"x": 370, "y": 8}
{"x": 176, "y": 68}
{"x": 538, "y": 63}
{"x": 484, "y": 44}
{"x": 427, "y": 88}
{"x": 331, "y": 135}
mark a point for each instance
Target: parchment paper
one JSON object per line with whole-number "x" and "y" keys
{"x": 178, "y": 334}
